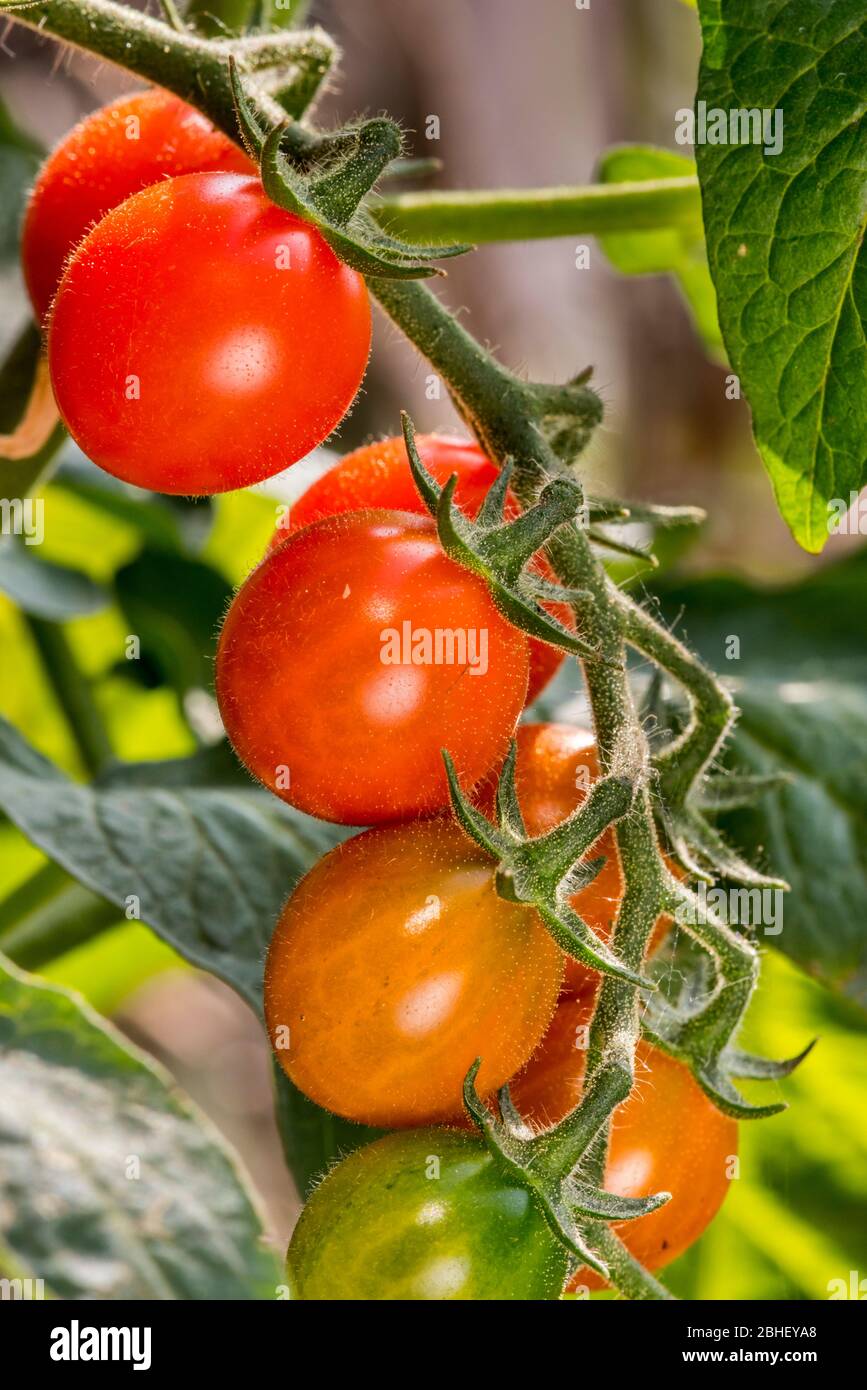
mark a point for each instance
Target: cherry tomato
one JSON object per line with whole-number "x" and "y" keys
{"x": 353, "y": 655}
{"x": 379, "y": 476}
{"x": 394, "y": 965}
{"x": 114, "y": 152}
{"x": 667, "y": 1137}
{"x": 423, "y": 1217}
{"x": 202, "y": 339}
{"x": 555, "y": 768}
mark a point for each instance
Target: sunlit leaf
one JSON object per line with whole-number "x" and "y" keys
{"x": 111, "y": 1185}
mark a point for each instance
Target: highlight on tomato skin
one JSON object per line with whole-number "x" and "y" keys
{"x": 353, "y": 655}
{"x": 114, "y": 152}
{"x": 555, "y": 768}
{"x": 666, "y": 1137}
{"x": 202, "y": 339}
{"x": 379, "y": 475}
{"x": 425, "y": 1216}
{"x": 394, "y": 965}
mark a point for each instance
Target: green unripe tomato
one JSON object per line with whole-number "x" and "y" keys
{"x": 426, "y": 1215}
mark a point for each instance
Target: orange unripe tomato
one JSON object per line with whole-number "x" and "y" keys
{"x": 556, "y": 766}
{"x": 394, "y": 965}
{"x": 667, "y": 1137}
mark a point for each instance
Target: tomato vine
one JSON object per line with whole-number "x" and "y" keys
{"x": 262, "y": 85}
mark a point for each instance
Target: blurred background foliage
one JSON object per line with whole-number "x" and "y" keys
{"x": 568, "y": 85}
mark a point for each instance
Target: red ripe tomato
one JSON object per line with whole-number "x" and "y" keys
{"x": 555, "y": 768}
{"x": 394, "y": 965}
{"x": 378, "y": 475}
{"x": 202, "y": 339}
{"x": 113, "y": 153}
{"x": 355, "y": 653}
{"x": 667, "y": 1137}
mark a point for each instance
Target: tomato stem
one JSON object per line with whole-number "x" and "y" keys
{"x": 50, "y": 914}
{"x": 194, "y": 67}
{"x": 522, "y": 214}
{"x": 73, "y": 693}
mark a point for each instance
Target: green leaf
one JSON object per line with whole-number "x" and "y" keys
{"x": 113, "y": 966}
{"x": 168, "y": 523}
{"x": 785, "y": 239}
{"x": 678, "y": 250}
{"x": 175, "y": 605}
{"x": 45, "y": 590}
{"x": 312, "y": 1138}
{"x": 813, "y": 832}
{"x": 794, "y": 1221}
{"x": 111, "y": 1185}
{"x": 20, "y": 157}
{"x": 800, "y": 679}
{"x": 210, "y": 862}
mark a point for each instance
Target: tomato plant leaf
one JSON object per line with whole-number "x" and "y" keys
{"x": 798, "y": 659}
{"x": 47, "y": 590}
{"x": 19, "y": 159}
{"x": 174, "y": 603}
{"x": 207, "y": 858}
{"x": 312, "y": 1138}
{"x": 166, "y": 521}
{"x": 785, "y": 229}
{"x": 111, "y": 1184}
{"x": 677, "y": 250}
{"x": 207, "y": 865}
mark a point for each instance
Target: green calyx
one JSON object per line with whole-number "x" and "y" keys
{"x": 549, "y": 1165}
{"x": 325, "y": 179}
{"x": 700, "y": 1030}
{"x": 546, "y": 871}
{"x": 603, "y": 512}
{"x": 699, "y": 847}
{"x": 499, "y": 550}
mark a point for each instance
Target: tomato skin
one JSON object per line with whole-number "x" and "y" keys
{"x": 110, "y": 155}
{"x": 203, "y": 339}
{"x": 380, "y": 1228}
{"x": 394, "y": 965}
{"x": 378, "y": 475}
{"x": 555, "y": 767}
{"x": 302, "y": 684}
{"x": 667, "y": 1137}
